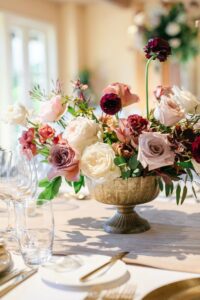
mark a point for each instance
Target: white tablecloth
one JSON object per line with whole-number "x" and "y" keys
{"x": 146, "y": 279}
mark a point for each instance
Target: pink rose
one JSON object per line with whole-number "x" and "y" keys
{"x": 123, "y": 92}
{"x": 168, "y": 112}
{"x": 64, "y": 162}
{"x": 53, "y": 109}
{"x": 154, "y": 150}
{"x": 162, "y": 91}
{"x": 27, "y": 142}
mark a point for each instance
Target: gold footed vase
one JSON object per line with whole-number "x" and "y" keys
{"x": 125, "y": 194}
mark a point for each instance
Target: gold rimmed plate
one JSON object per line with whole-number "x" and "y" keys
{"x": 188, "y": 289}
{"x": 5, "y": 260}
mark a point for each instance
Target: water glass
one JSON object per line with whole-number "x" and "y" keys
{"x": 35, "y": 232}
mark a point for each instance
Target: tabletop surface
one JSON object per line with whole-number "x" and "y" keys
{"x": 67, "y": 213}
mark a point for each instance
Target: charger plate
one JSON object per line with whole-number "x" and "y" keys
{"x": 188, "y": 289}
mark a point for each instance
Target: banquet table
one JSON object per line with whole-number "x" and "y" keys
{"x": 78, "y": 225}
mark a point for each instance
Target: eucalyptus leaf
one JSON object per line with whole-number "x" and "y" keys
{"x": 133, "y": 162}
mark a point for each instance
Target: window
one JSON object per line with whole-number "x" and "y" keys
{"x": 29, "y": 53}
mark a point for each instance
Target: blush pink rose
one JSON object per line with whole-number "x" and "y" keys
{"x": 65, "y": 162}
{"x": 154, "y": 150}
{"x": 123, "y": 92}
{"x": 53, "y": 109}
{"x": 162, "y": 91}
{"x": 168, "y": 112}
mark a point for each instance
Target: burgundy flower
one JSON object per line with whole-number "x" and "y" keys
{"x": 158, "y": 47}
{"x": 196, "y": 149}
{"x": 64, "y": 162}
{"x": 111, "y": 104}
{"x": 27, "y": 141}
{"x": 137, "y": 124}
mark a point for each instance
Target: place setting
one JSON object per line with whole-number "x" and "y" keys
{"x": 99, "y": 170}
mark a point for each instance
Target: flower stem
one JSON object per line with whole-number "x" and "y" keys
{"x": 147, "y": 85}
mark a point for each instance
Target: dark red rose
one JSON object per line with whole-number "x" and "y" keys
{"x": 196, "y": 149}
{"x": 27, "y": 141}
{"x": 45, "y": 132}
{"x": 111, "y": 104}
{"x": 137, "y": 124}
{"x": 158, "y": 47}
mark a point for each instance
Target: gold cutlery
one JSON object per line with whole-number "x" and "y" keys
{"x": 19, "y": 279}
{"x": 10, "y": 275}
{"x": 111, "y": 261}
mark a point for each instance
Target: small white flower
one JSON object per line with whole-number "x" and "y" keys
{"x": 175, "y": 42}
{"x": 97, "y": 162}
{"x": 173, "y": 29}
{"x": 16, "y": 114}
{"x": 186, "y": 99}
{"x": 82, "y": 132}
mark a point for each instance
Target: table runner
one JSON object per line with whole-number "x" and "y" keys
{"x": 172, "y": 243}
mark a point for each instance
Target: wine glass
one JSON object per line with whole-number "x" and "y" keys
{"x": 5, "y": 167}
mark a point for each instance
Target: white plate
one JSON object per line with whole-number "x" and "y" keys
{"x": 66, "y": 272}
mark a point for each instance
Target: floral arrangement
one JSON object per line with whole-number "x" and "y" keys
{"x": 77, "y": 143}
{"x": 175, "y": 26}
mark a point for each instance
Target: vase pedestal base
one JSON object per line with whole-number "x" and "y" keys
{"x": 126, "y": 220}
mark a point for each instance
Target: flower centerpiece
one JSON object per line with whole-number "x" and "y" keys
{"x": 126, "y": 161}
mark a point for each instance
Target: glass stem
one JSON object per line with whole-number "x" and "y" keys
{"x": 9, "y": 209}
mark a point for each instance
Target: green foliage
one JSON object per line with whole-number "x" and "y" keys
{"x": 178, "y": 193}
{"x": 51, "y": 189}
{"x": 133, "y": 162}
{"x": 78, "y": 184}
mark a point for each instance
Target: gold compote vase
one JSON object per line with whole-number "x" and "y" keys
{"x": 125, "y": 194}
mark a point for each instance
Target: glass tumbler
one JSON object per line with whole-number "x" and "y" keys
{"x": 35, "y": 232}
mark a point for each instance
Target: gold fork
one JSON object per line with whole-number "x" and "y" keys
{"x": 111, "y": 261}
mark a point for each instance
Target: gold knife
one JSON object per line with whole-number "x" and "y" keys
{"x": 111, "y": 261}
{"x": 19, "y": 279}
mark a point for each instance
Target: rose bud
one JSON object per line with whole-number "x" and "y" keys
{"x": 110, "y": 104}
{"x": 45, "y": 132}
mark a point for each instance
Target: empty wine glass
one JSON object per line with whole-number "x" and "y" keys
{"x": 5, "y": 167}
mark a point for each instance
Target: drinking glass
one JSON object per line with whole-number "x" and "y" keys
{"x": 35, "y": 234}
{"x": 5, "y": 167}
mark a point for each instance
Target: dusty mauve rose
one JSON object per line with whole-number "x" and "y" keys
{"x": 154, "y": 150}
{"x": 196, "y": 149}
{"x": 162, "y": 91}
{"x": 27, "y": 141}
{"x": 45, "y": 132}
{"x": 64, "y": 162}
{"x": 137, "y": 124}
{"x": 110, "y": 104}
{"x": 53, "y": 109}
{"x": 123, "y": 92}
{"x": 168, "y": 112}
{"x": 157, "y": 47}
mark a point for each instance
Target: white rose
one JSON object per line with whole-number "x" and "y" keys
{"x": 175, "y": 42}
{"x": 186, "y": 99}
{"x": 16, "y": 114}
{"x": 97, "y": 162}
{"x": 168, "y": 111}
{"x": 82, "y": 132}
{"x": 173, "y": 28}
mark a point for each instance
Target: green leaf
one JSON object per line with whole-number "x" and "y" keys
{"x": 69, "y": 182}
{"x": 51, "y": 190}
{"x": 133, "y": 162}
{"x": 44, "y": 182}
{"x": 78, "y": 184}
{"x": 184, "y": 194}
{"x": 126, "y": 174}
{"x": 119, "y": 161}
{"x": 185, "y": 164}
{"x": 194, "y": 192}
{"x": 72, "y": 111}
{"x": 178, "y": 193}
{"x": 190, "y": 174}
{"x": 160, "y": 183}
